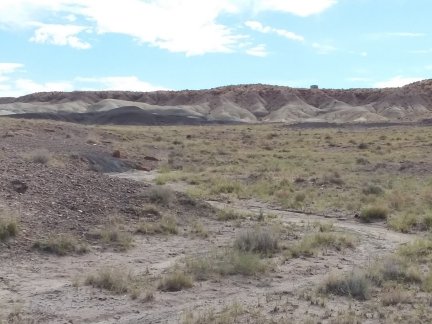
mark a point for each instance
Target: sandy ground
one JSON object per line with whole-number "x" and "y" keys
{"x": 43, "y": 286}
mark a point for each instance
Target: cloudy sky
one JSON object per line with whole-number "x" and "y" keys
{"x": 144, "y": 45}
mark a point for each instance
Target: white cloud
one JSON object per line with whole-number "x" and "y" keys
{"x": 60, "y": 35}
{"x": 324, "y": 49}
{"x": 397, "y": 81}
{"x": 184, "y": 26}
{"x": 301, "y": 8}
{"x": 30, "y": 86}
{"x": 9, "y": 67}
{"x": 126, "y": 83}
{"x": 13, "y": 86}
{"x": 257, "y": 26}
{"x": 259, "y": 50}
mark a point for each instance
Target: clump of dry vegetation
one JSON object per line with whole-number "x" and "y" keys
{"x": 8, "y": 226}
{"x": 259, "y": 240}
{"x": 374, "y": 213}
{"x": 115, "y": 280}
{"x": 161, "y": 195}
{"x": 166, "y": 225}
{"x": 61, "y": 245}
{"x": 42, "y": 156}
{"x": 114, "y": 235}
{"x": 355, "y": 285}
{"x": 312, "y": 243}
{"x": 175, "y": 281}
{"x": 225, "y": 262}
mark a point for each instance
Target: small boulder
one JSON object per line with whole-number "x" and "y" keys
{"x": 116, "y": 154}
{"x": 19, "y": 186}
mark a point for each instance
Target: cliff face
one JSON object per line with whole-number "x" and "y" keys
{"x": 247, "y": 103}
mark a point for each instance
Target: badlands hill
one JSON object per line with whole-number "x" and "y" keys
{"x": 242, "y": 103}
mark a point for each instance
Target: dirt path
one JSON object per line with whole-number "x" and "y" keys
{"x": 43, "y": 284}
{"x": 377, "y": 231}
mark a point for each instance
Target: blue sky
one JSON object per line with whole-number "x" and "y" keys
{"x": 145, "y": 45}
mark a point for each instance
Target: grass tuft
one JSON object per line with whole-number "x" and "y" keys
{"x": 354, "y": 284}
{"x": 61, "y": 245}
{"x": 374, "y": 213}
{"x": 262, "y": 240}
{"x": 175, "y": 281}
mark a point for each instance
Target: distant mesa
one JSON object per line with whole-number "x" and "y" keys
{"x": 251, "y": 103}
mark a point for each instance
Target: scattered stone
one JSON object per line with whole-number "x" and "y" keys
{"x": 150, "y": 158}
{"x": 19, "y": 186}
{"x": 116, "y": 154}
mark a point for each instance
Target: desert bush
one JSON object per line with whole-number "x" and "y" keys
{"x": 225, "y": 186}
{"x": 115, "y": 280}
{"x": 61, "y": 245}
{"x": 354, "y": 284}
{"x": 113, "y": 235}
{"x": 373, "y": 190}
{"x": 419, "y": 250}
{"x": 166, "y": 225}
{"x": 311, "y": 243}
{"x": 362, "y": 161}
{"x": 394, "y": 269}
{"x": 41, "y": 156}
{"x": 229, "y": 214}
{"x": 160, "y": 195}
{"x": 363, "y": 146}
{"x": 262, "y": 240}
{"x": 402, "y": 222}
{"x": 323, "y": 226}
{"x": 224, "y": 263}
{"x": 333, "y": 178}
{"x": 175, "y": 281}
{"x": 8, "y": 227}
{"x": 199, "y": 229}
{"x": 374, "y": 213}
{"x": 395, "y": 296}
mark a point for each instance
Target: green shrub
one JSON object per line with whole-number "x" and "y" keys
{"x": 225, "y": 263}
{"x": 354, "y": 284}
{"x": 374, "y": 213}
{"x": 261, "y": 240}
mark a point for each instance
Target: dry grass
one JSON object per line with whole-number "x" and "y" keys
{"x": 310, "y": 244}
{"x": 161, "y": 196}
{"x": 175, "y": 281}
{"x": 300, "y": 171}
{"x": 225, "y": 262}
{"x": 115, "y": 280}
{"x": 115, "y": 236}
{"x": 166, "y": 225}
{"x": 42, "y": 156}
{"x": 259, "y": 240}
{"x": 354, "y": 284}
{"x": 8, "y": 226}
{"x": 61, "y": 245}
{"x": 374, "y": 213}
